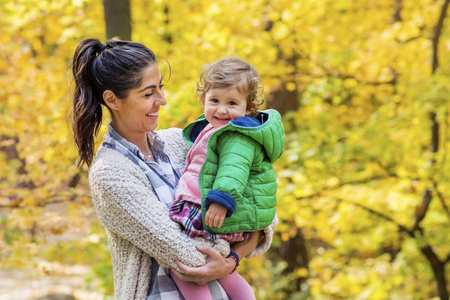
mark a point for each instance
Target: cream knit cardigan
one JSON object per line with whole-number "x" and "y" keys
{"x": 137, "y": 224}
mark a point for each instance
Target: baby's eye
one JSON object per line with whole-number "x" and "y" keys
{"x": 214, "y": 100}
{"x": 232, "y": 103}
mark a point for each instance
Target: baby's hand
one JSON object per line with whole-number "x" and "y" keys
{"x": 215, "y": 215}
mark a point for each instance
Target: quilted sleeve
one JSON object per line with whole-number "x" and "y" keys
{"x": 236, "y": 152}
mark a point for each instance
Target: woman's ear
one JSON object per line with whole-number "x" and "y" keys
{"x": 111, "y": 100}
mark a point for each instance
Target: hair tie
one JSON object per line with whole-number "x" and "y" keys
{"x": 100, "y": 48}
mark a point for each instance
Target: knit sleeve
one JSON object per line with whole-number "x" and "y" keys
{"x": 127, "y": 206}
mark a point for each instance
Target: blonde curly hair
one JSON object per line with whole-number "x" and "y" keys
{"x": 233, "y": 72}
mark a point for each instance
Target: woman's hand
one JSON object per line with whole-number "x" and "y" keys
{"x": 216, "y": 267}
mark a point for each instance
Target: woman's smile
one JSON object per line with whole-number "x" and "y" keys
{"x": 153, "y": 115}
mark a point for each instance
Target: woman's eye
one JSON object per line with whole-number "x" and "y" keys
{"x": 150, "y": 94}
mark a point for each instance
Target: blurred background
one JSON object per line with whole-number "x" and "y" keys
{"x": 363, "y": 87}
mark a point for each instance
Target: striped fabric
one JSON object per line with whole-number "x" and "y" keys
{"x": 162, "y": 175}
{"x": 190, "y": 216}
{"x": 164, "y": 178}
{"x": 162, "y": 286}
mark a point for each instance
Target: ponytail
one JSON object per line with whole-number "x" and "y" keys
{"x": 87, "y": 111}
{"x": 117, "y": 67}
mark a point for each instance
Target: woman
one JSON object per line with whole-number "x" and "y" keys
{"x": 135, "y": 172}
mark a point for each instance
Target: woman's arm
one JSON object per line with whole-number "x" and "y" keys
{"x": 127, "y": 206}
{"x": 219, "y": 266}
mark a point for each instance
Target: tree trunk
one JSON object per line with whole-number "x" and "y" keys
{"x": 436, "y": 264}
{"x": 295, "y": 253}
{"x": 117, "y": 19}
{"x": 439, "y": 272}
{"x": 281, "y": 99}
{"x": 398, "y": 6}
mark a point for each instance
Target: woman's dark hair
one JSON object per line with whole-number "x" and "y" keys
{"x": 116, "y": 66}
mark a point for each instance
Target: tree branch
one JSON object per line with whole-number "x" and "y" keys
{"x": 436, "y": 35}
{"x": 396, "y": 17}
{"x": 422, "y": 209}
{"x": 337, "y": 74}
{"x": 355, "y": 182}
{"x": 379, "y": 214}
{"x": 441, "y": 198}
{"x": 447, "y": 260}
{"x": 409, "y": 39}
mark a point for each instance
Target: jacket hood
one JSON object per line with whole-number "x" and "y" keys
{"x": 266, "y": 128}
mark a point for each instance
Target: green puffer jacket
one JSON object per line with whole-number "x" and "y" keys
{"x": 238, "y": 172}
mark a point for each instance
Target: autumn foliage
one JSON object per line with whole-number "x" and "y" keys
{"x": 363, "y": 198}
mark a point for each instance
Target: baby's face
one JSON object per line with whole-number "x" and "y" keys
{"x": 223, "y": 105}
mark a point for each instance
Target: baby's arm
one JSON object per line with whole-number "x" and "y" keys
{"x": 215, "y": 215}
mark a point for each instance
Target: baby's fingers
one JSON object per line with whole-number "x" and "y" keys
{"x": 220, "y": 222}
{"x": 208, "y": 220}
{"x": 217, "y": 221}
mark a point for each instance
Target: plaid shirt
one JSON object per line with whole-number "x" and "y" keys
{"x": 162, "y": 286}
{"x": 164, "y": 177}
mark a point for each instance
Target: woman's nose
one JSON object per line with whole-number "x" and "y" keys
{"x": 160, "y": 100}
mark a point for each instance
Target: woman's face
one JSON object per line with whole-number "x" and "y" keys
{"x": 138, "y": 113}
